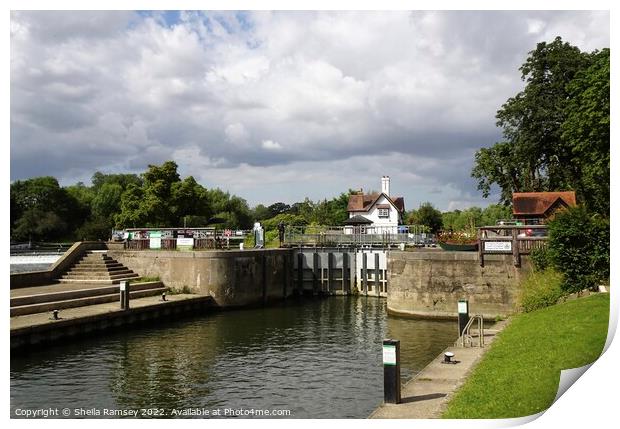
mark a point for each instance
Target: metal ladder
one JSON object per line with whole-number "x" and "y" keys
{"x": 466, "y": 339}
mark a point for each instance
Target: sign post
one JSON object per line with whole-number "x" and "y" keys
{"x": 391, "y": 371}
{"x": 463, "y": 309}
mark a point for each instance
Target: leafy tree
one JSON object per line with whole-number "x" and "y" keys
{"x": 260, "y": 212}
{"x": 286, "y": 218}
{"x": 428, "y": 216}
{"x": 278, "y": 208}
{"x": 534, "y": 156}
{"x": 41, "y": 209}
{"x": 132, "y": 213}
{"x": 579, "y": 248}
{"x": 123, "y": 180}
{"x": 37, "y": 224}
{"x": 586, "y": 132}
{"x": 107, "y": 200}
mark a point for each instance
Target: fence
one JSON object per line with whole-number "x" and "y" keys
{"x": 518, "y": 240}
{"x": 203, "y": 239}
{"x": 363, "y": 236}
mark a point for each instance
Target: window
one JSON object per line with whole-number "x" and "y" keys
{"x": 384, "y": 212}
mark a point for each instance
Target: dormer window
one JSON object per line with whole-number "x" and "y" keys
{"x": 384, "y": 212}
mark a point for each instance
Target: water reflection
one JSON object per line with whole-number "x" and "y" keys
{"x": 320, "y": 359}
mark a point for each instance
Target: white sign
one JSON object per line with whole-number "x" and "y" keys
{"x": 155, "y": 243}
{"x": 185, "y": 242}
{"x": 389, "y": 355}
{"x": 462, "y": 306}
{"x": 498, "y": 246}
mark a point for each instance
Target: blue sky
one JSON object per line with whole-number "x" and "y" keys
{"x": 275, "y": 106}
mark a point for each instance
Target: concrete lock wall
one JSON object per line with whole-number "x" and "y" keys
{"x": 38, "y": 278}
{"x": 232, "y": 278}
{"x": 429, "y": 284}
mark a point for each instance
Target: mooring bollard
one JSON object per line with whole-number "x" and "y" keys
{"x": 124, "y": 295}
{"x": 463, "y": 309}
{"x": 391, "y": 371}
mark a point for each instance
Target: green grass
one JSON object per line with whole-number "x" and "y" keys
{"x": 519, "y": 375}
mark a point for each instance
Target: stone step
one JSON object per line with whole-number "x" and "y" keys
{"x": 81, "y": 302}
{"x": 93, "y": 265}
{"x": 87, "y": 278}
{"x": 108, "y": 269}
{"x": 98, "y": 273}
{"x": 79, "y": 293}
{"x": 97, "y": 281}
{"x": 96, "y": 260}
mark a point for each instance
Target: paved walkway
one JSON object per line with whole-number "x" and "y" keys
{"x": 92, "y": 310}
{"x": 427, "y": 395}
{"x": 52, "y": 288}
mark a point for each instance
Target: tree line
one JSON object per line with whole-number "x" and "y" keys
{"x": 42, "y": 210}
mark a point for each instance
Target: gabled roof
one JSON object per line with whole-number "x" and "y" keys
{"x": 357, "y": 220}
{"x": 538, "y": 203}
{"x": 364, "y": 202}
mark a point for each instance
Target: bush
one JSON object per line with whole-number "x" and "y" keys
{"x": 541, "y": 289}
{"x": 579, "y": 248}
{"x": 540, "y": 259}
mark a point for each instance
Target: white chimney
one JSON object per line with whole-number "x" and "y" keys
{"x": 385, "y": 185}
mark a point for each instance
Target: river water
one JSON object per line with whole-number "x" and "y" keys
{"x": 31, "y": 262}
{"x": 318, "y": 358}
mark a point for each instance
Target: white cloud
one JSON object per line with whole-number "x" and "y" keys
{"x": 271, "y": 145}
{"x": 238, "y": 99}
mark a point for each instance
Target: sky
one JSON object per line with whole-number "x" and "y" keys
{"x": 275, "y": 106}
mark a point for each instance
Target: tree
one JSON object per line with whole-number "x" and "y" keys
{"x": 42, "y": 210}
{"x": 586, "y": 132}
{"x": 278, "y": 208}
{"x": 123, "y": 180}
{"x": 533, "y": 155}
{"x": 428, "y": 216}
{"x": 260, "y": 212}
{"x": 579, "y": 248}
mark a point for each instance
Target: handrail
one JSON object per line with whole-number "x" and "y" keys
{"x": 466, "y": 332}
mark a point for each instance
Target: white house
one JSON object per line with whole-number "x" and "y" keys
{"x": 375, "y": 213}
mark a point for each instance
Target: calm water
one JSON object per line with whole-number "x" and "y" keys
{"x": 317, "y": 358}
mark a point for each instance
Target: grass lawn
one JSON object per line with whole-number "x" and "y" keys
{"x": 519, "y": 375}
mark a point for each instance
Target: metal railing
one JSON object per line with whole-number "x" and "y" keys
{"x": 338, "y": 236}
{"x": 467, "y": 339}
{"x": 208, "y": 239}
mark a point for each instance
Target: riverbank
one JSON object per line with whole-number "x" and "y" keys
{"x": 40, "y": 328}
{"x": 519, "y": 376}
{"x": 426, "y": 395}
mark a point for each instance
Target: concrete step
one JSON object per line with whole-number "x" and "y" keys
{"x": 79, "y": 293}
{"x": 95, "y": 258}
{"x": 97, "y": 281}
{"x": 96, "y": 274}
{"x": 108, "y": 269}
{"x": 98, "y": 265}
{"x": 81, "y": 302}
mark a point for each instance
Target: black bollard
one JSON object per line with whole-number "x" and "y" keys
{"x": 463, "y": 309}
{"x": 124, "y": 295}
{"x": 391, "y": 371}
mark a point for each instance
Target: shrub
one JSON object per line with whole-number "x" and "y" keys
{"x": 541, "y": 289}
{"x": 540, "y": 259}
{"x": 579, "y": 248}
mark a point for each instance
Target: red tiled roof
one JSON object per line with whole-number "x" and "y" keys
{"x": 537, "y": 203}
{"x": 362, "y": 203}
